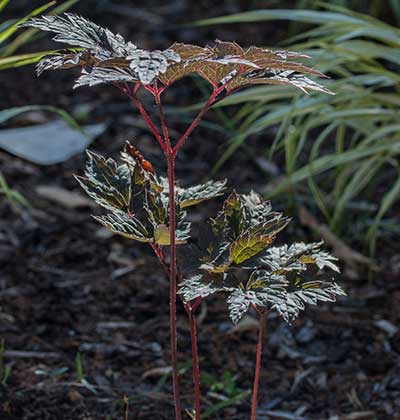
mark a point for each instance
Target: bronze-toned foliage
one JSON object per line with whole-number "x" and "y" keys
{"x": 106, "y": 57}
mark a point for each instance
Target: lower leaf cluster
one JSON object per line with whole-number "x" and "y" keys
{"x": 238, "y": 259}
{"x": 137, "y": 200}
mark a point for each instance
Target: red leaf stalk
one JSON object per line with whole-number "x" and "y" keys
{"x": 261, "y": 329}
{"x": 190, "y": 309}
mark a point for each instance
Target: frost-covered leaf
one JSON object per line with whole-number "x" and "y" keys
{"x": 203, "y": 285}
{"x": 324, "y": 259}
{"x": 224, "y": 63}
{"x": 62, "y": 61}
{"x": 273, "y": 77}
{"x": 182, "y": 226}
{"x": 261, "y": 290}
{"x": 150, "y": 64}
{"x": 77, "y": 31}
{"x": 255, "y": 206}
{"x": 122, "y": 224}
{"x": 297, "y": 257}
{"x": 194, "y": 195}
{"x": 276, "y": 61}
{"x": 100, "y": 75}
{"x": 301, "y": 292}
{"x": 108, "y": 183}
{"x": 238, "y": 303}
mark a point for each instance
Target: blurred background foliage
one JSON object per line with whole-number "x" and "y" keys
{"x": 12, "y": 39}
{"x": 336, "y": 155}
{"x": 339, "y": 154}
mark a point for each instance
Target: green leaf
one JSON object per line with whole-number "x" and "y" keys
{"x": 248, "y": 245}
{"x": 231, "y": 217}
{"x": 162, "y": 236}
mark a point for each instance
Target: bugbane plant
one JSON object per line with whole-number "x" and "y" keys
{"x": 234, "y": 255}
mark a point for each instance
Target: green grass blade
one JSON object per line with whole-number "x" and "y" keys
{"x": 306, "y": 16}
{"x": 29, "y": 33}
{"x": 7, "y": 114}
{"x": 12, "y": 29}
{"x": 13, "y": 197}
{"x": 330, "y": 161}
{"x": 3, "y": 4}
{"x": 389, "y": 199}
{"x": 22, "y": 59}
{"x": 359, "y": 180}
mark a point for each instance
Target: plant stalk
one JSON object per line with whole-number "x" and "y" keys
{"x": 190, "y": 309}
{"x": 196, "y": 121}
{"x": 261, "y": 329}
{"x": 172, "y": 280}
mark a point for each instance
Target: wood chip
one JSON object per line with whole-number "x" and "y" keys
{"x": 341, "y": 250}
{"x": 67, "y": 199}
{"x": 386, "y": 326}
{"x": 20, "y": 354}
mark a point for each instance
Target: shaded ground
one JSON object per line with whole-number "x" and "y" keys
{"x": 66, "y": 287}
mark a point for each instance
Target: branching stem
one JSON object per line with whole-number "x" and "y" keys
{"x": 146, "y": 117}
{"x": 199, "y": 116}
{"x": 171, "y": 269}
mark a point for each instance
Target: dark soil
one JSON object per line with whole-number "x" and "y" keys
{"x": 67, "y": 288}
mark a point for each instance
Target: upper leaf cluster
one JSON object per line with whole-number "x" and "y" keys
{"x": 237, "y": 258}
{"x": 106, "y": 57}
{"x": 137, "y": 199}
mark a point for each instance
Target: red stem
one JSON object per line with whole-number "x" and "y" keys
{"x": 261, "y": 329}
{"x": 172, "y": 267}
{"x": 158, "y": 251}
{"x": 195, "y": 356}
{"x": 196, "y": 121}
{"x": 148, "y": 121}
{"x": 172, "y": 280}
{"x": 162, "y": 119}
{"x": 144, "y": 114}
